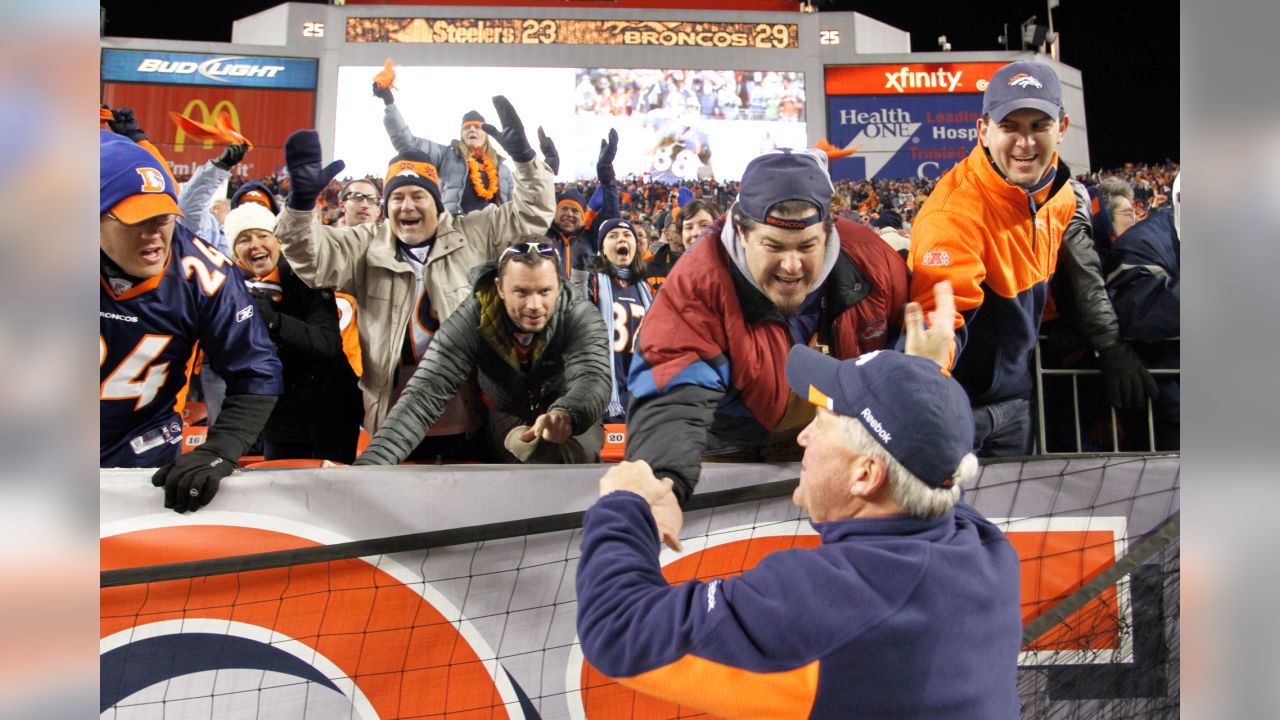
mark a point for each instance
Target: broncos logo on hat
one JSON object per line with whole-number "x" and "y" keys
{"x": 152, "y": 180}
{"x": 1024, "y": 80}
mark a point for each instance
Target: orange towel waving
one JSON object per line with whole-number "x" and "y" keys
{"x": 221, "y": 132}
{"x": 387, "y": 77}
{"x": 833, "y": 152}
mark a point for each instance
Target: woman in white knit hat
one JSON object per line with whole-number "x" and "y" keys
{"x": 318, "y": 416}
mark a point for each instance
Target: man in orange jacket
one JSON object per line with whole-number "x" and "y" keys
{"x": 996, "y": 226}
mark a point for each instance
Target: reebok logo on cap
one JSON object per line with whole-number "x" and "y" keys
{"x": 874, "y": 425}
{"x": 921, "y": 417}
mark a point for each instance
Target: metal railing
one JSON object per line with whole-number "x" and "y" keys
{"x": 1075, "y": 374}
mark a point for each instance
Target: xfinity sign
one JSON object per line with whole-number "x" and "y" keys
{"x": 904, "y": 78}
{"x": 216, "y": 70}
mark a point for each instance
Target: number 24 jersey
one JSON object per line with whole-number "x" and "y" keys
{"x": 148, "y": 336}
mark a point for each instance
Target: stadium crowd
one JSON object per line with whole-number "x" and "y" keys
{"x": 643, "y": 201}
{"x": 396, "y": 324}
{"x": 709, "y": 94}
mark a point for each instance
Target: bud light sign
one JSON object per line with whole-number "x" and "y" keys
{"x": 216, "y": 70}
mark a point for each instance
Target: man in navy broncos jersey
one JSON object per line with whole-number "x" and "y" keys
{"x": 162, "y": 291}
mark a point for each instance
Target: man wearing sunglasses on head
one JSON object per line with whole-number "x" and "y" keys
{"x": 409, "y": 273}
{"x": 540, "y": 354}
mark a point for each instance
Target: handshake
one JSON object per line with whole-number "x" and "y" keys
{"x": 638, "y": 477}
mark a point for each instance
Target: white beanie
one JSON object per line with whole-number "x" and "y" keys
{"x": 249, "y": 216}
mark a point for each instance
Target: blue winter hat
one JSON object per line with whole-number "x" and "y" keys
{"x": 132, "y": 186}
{"x": 571, "y": 195}
{"x": 1022, "y": 84}
{"x": 920, "y": 416}
{"x": 888, "y": 218}
{"x": 610, "y": 224}
{"x": 256, "y": 191}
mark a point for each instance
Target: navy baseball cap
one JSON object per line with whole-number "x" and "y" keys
{"x": 133, "y": 186}
{"x": 1022, "y": 84}
{"x": 782, "y": 175}
{"x": 920, "y": 416}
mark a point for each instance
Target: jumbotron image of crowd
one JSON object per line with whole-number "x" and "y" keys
{"x": 465, "y": 307}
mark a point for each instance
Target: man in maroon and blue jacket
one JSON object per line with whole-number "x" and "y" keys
{"x": 908, "y": 608}
{"x": 707, "y": 376}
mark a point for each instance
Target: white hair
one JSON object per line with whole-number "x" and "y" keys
{"x": 910, "y": 492}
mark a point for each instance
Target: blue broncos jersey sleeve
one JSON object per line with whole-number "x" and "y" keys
{"x": 148, "y": 335}
{"x": 237, "y": 344}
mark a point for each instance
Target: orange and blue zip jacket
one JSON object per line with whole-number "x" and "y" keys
{"x": 998, "y": 245}
{"x": 890, "y": 617}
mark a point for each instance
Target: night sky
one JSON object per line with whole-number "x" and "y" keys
{"x": 1127, "y": 51}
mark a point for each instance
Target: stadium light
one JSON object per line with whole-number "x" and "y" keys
{"x": 1033, "y": 34}
{"x": 943, "y": 45}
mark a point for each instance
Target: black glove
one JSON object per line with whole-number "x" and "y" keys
{"x": 549, "y": 152}
{"x": 267, "y": 310}
{"x": 1063, "y": 343}
{"x": 512, "y": 138}
{"x": 231, "y": 156}
{"x": 1127, "y": 382}
{"x": 604, "y": 164}
{"x": 192, "y": 480}
{"x": 126, "y": 124}
{"x": 307, "y": 179}
{"x": 384, "y": 93}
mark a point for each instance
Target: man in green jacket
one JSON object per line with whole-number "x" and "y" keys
{"x": 410, "y": 273}
{"x": 540, "y": 352}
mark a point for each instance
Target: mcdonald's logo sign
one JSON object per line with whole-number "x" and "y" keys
{"x": 207, "y": 117}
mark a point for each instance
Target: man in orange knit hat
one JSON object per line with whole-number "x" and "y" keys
{"x": 408, "y": 274}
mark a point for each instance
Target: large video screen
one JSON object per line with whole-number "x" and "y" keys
{"x": 672, "y": 124}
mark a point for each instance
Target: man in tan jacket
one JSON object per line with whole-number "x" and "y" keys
{"x": 409, "y": 273}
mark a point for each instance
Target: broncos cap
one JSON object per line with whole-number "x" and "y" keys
{"x": 918, "y": 415}
{"x": 1022, "y": 84}
{"x": 133, "y": 186}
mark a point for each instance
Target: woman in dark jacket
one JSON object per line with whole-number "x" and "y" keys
{"x": 617, "y": 287}
{"x": 318, "y": 416}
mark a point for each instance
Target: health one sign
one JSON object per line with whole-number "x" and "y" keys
{"x": 904, "y": 120}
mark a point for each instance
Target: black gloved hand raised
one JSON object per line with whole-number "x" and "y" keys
{"x": 604, "y": 163}
{"x": 126, "y": 124}
{"x": 1127, "y": 382}
{"x": 384, "y": 93}
{"x": 307, "y": 178}
{"x": 512, "y": 137}
{"x": 192, "y": 480}
{"x": 231, "y": 156}
{"x": 549, "y": 152}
